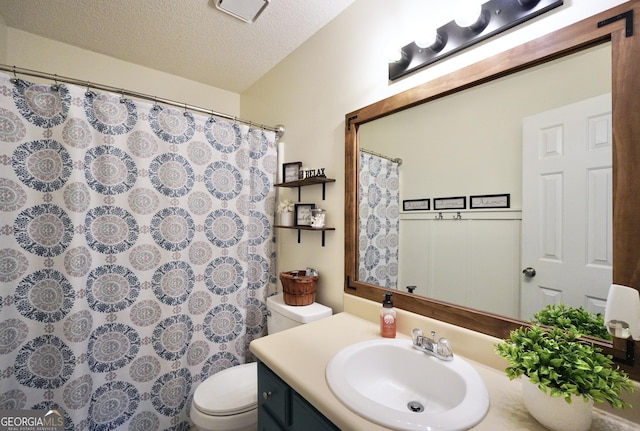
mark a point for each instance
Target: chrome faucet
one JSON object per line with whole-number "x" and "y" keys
{"x": 440, "y": 349}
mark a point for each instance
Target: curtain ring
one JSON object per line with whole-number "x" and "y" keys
{"x": 210, "y": 120}
{"x": 55, "y": 86}
{"x": 122, "y": 99}
{"x": 155, "y": 103}
{"x": 185, "y": 113}
{"x": 15, "y": 77}
{"x": 88, "y": 93}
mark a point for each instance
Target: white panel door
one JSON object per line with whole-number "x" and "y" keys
{"x": 567, "y": 206}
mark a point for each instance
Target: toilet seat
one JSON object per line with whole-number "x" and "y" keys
{"x": 228, "y": 392}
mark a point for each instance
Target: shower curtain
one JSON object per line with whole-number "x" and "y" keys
{"x": 136, "y": 252}
{"x": 379, "y": 221}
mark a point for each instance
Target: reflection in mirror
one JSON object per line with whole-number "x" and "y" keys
{"x": 573, "y": 318}
{"x": 471, "y": 143}
{"x": 616, "y": 26}
{"x": 379, "y": 219}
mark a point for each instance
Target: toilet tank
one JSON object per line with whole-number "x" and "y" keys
{"x": 281, "y": 316}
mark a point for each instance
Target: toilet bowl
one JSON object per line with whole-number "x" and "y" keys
{"x": 228, "y": 400}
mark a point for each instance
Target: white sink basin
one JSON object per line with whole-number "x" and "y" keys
{"x": 390, "y": 383}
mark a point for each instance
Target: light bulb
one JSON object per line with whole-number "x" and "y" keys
{"x": 469, "y": 16}
{"x": 427, "y": 39}
{"x": 394, "y": 55}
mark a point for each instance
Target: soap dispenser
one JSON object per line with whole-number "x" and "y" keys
{"x": 387, "y": 317}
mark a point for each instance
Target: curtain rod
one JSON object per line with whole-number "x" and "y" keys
{"x": 397, "y": 160}
{"x": 279, "y": 129}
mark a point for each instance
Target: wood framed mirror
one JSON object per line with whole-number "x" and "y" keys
{"x": 616, "y": 27}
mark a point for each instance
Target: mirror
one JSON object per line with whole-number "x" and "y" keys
{"x": 455, "y": 146}
{"x": 625, "y": 84}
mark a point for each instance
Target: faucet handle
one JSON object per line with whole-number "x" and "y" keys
{"x": 416, "y": 336}
{"x": 443, "y": 347}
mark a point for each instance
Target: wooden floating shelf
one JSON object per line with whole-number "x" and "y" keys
{"x": 299, "y": 228}
{"x": 306, "y": 182}
{"x": 304, "y": 227}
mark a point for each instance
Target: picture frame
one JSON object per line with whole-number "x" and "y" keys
{"x": 291, "y": 171}
{"x": 416, "y": 204}
{"x": 452, "y": 203}
{"x": 502, "y": 200}
{"x": 302, "y": 214}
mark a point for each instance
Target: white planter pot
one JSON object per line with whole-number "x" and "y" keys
{"x": 286, "y": 219}
{"x": 555, "y": 413}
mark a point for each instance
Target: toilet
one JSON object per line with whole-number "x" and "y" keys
{"x": 228, "y": 400}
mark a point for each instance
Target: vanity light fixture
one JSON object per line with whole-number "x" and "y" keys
{"x": 476, "y": 24}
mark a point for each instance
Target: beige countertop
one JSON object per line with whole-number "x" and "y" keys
{"x": 300, "y": 355}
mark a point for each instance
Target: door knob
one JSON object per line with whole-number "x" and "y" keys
{"x": 529, "y": 272}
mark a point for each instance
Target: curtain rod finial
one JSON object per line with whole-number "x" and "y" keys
{"x": 279, "y": 131}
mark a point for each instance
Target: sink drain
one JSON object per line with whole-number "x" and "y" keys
{"x": 415, "y": 407}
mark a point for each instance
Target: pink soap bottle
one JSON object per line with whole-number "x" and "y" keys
{"x": 387, "y": 317}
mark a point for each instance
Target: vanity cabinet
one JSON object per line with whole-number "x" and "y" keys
{"x": 280, "y": 408}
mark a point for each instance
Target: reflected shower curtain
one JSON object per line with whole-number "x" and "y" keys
{"x": 135, "y": 253}
{"x": 379, "y": 221}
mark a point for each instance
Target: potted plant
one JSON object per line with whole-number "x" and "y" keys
{"x": 285, "y": 209}
{"x": 566, "y": 317}
{"x": 569, "y": 374}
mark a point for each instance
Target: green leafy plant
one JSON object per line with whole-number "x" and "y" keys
{"x": 565, "y": 317}
{"x": 561, "y": 365}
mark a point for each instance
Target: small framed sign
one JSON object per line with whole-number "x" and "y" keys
{"x": 490, "y": 201}
{"x": 303, "y": 214}
{"x": 455, "y": 203}
{"x": 416, "y": 204}
{"x": 291, "y": 171}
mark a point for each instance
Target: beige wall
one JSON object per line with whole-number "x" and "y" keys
{"x": 341, "y": 68}
{"x": 3, "y": 41}
{"x": 38, "y": 53}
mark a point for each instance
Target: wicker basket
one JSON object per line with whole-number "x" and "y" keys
{"x": 298, "y": 289}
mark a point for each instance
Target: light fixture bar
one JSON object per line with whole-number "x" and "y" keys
{"x": 498, "y": 16}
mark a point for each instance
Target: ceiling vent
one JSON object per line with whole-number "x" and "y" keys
{"x": 245, "y": 10}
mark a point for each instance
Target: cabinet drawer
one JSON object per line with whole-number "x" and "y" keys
{"x": 273, "y": 395}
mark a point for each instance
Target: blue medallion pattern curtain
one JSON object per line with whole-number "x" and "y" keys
{"x": 379, "y": 221}
{"x": 136, "y": 252}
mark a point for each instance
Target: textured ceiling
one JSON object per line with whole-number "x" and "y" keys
{"x": 188, "y": 38}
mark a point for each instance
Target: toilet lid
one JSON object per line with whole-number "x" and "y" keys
{"x": 228, "y": 392}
